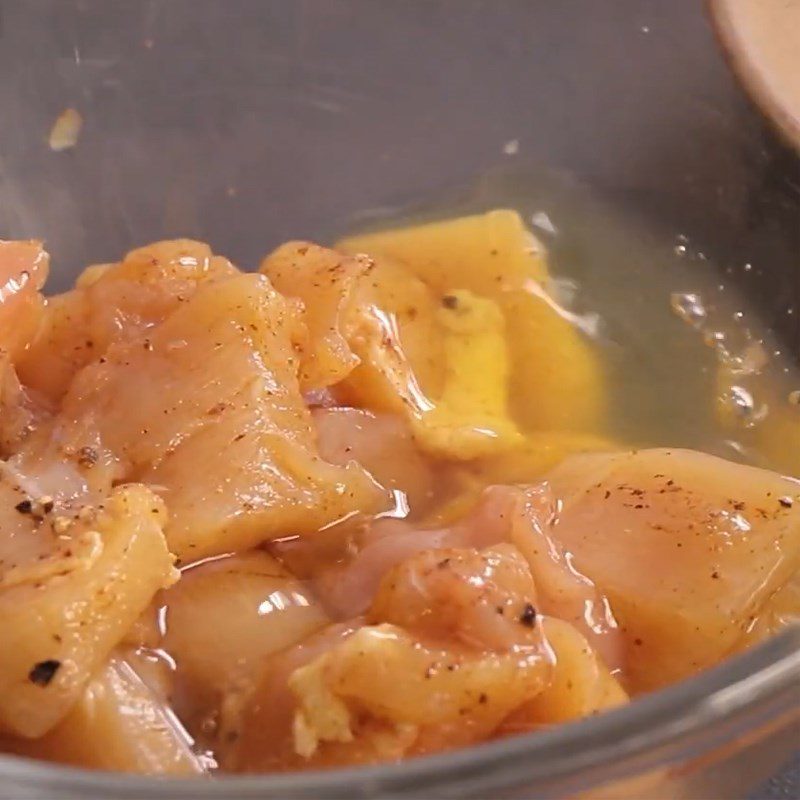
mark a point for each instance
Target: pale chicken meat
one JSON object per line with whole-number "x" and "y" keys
{"x": 23, "y": 271}
{"x": 366, "y": 504}
{"x": 379, "y": 334}
{"x": 222, "y": 620}
{"x": 113, "y": 303}
{"x": 452, "y": 645}
{"x": 582, "y": 683}
{"x": 687, "y": 547}
{"x": 523, "y": 517}
{"x": 20, "y": 413}
{"x": 346, "y": 298}
{"x": 117, "y": 724}
{"x": 347, "y": 581}
{"x": 353, "y": 434}
{"x": 216, "y": 382}
{"x": 64, "y": 610}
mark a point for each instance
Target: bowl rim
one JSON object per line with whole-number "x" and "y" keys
{"x": 683, "y": 721}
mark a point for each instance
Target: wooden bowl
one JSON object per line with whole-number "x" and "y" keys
{"x": 762, "y": 40}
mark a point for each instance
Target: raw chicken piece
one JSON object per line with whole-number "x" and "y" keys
{"x": 556, "y": 378}
{"x": 521, "y": 516}
{"x": 479, "y": 598}
{"x": 778, "y": 612}
{"x": 39, "y": 482}
{"x": 256, "y": 729}
{"x": 384, "y": 446}
{"x": 23, "y": 271}
{"x": 428, "y": 698}
{"x": 346, "y": 583}
{"x": 687, "y": 547}
{"x": 339, "y": 293}
{"x": 117, "y": 724}
{"x": 581, "y": 686}
{"x": 223, "y": 618}
{"x": 206, "y": 407}
{"x": 20, "y": 413}
{"x": 564, "y": 590}
{"x": 378, "y": 335}
{"x": 327, "y": 283}
{"x": 454, "y": 647}
{"x": 66, "y": 604}
{"x": 24, "y": 541}
{"x": 112, "y": 303}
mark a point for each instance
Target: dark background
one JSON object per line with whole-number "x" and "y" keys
{"x": 247, "y": 122}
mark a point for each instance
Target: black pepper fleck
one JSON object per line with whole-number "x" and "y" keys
{"x": 44, "y": 672}
{"x": 528, "y": 615}
{"x": 450, "y": 301}
{"x": 87, "y": 456}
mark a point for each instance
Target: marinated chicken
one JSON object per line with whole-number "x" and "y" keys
{"x": 363, "y": 504}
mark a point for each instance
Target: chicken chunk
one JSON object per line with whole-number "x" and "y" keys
{"x": 113, "y": 303}
{"x": 687, "y": 547}
{"x": 23, "y": 271}
{"x": 557, "y": 381}
{"x": 62, "y": 611}
{"x": 520, "y": 516}
{"x": 223, "y": 618}
{"x": 216, "y": 382}
{"x": 20, "y": 411}
{"x": 340, "y": 293}
{"x": 117, "y": 724}
{"x": 581, "y": 686}
{"x": 380, "y": 339}
{"x": 383, "y": 444}
{"x": 453, "y": 647}
{"x": 347, "y": 582}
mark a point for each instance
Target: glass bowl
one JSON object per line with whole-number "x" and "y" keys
{"x": 249, "y": 122}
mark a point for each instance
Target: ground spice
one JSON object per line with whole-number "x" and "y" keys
{"x": 42, "y": 673}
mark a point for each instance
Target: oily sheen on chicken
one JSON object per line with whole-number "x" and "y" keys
{"x": 362, "y": 504}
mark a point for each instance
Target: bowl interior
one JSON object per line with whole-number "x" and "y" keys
{"x": 250, "y": 122}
